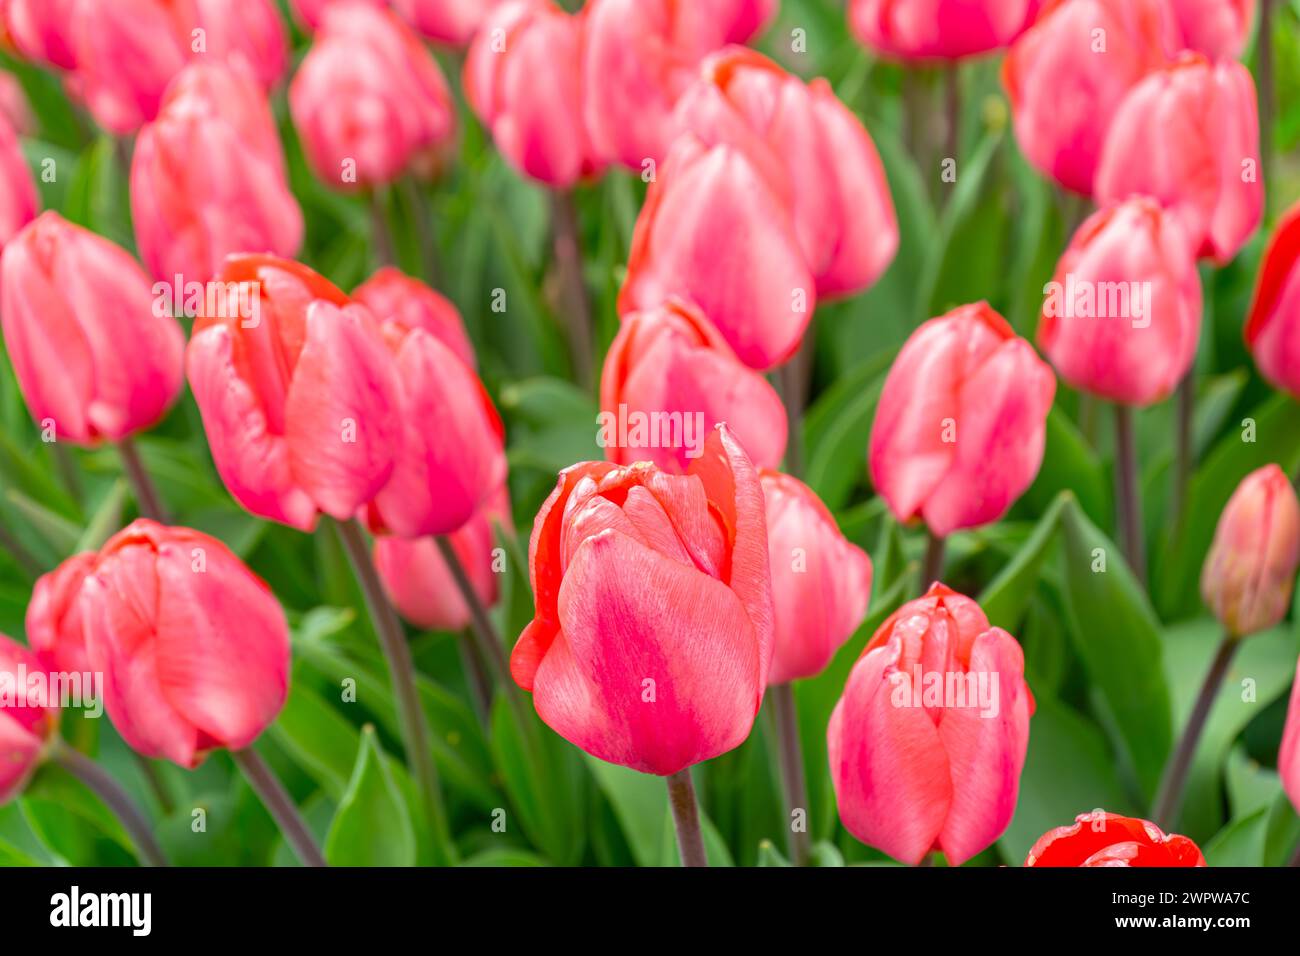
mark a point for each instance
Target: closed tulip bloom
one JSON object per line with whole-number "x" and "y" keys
{"x": 1251, "y": 568}
{"x": 249, "y": 34}
{"x": 962, "y": 421}
{"x": 1064, "y": 90}
{"x": 18, "y": 200}
{"x": 69, "y": 300}
{"x": 1108, "y": 839}
{"x": 28, "y": 721}
{"x": 13, "y": 106}
{"x": 1217, "y": 28}
{"x": 936, "y": 29}
{"x": 1188, "y": 136}
{"x": 368, "y": 100}
{"x": 42, "y": 30}
{"x": 311, "y": 13}
{"x": 1122, "y": 315}
{"x": 193, "y": 646}
{"x": 300, "y": 403}
{"x": 670, "y": 376}
{"x": 716, "y": 231}
{"x": 1288, "y": 755}
{"x": 1273, "y": 326}
{"x": 523, "y": 78}
{"x": 652, "y": 634}
{"x": 391, "y": 295}
{"x": 821, "y": 583}
{"x": 739, "y": 21}
{"x": 53, "y": 622}
{"x": 207, "y": 178}
{"x": 452, "y": 22}
{"x": 843, "y": 214}
{"x": 929, "y": 738}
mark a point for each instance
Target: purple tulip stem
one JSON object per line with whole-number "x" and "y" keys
{"x": 792, "y": 770}
{"x": 147, "y": 498}
{"x": 98, "y": 780}
{"x": 686, "y": 818}
{"x": 280, "y": 805}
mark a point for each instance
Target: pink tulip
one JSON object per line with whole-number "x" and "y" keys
{"x": 193, "y": 646}
{"x": 72, "y": 302}
{"x": 248, "y": 34}
{"x": 1288, "y": 755}
{"x": 208, "y": 180}
{"x": 29, "y": 722}
{"x": 670, "y": 377}
{"x": 13, "y": 106}
{"x": 311, "y": 13}
{"x": 42, "y": 30}
{"x": 1251, "y": 568}
{"x": 394, "y": 296}
{"x": 1217, "y": 28}
{"x": 843, "y": 213}
{"x": 369, "y": 100}
{"x": 300, "y": 404}
{"x": 652, "y": 635}
{"x": 1064, "y": 91}
{"x": 919, "y": 767}
{"x": 18, "y": 199}
{"x": 1273, "y": 327}
{"x": 523, "y": 77}
{"x": 1206, "y": 172}
{"x": 1123, "y": 314}
{"x": 453, "y": 22}
{"x": 821, "y": 583}
{"x": 716, "y": 230}
{"x": 962, "y": 421}
{"x": 53, "y": 621}
{"x": 936, "y": 29}
{"x": 738, "y": 21}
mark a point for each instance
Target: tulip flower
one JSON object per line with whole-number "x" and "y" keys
{"x": 1217, "y": 28}
{"x": 18, "y": 200}
{"x": 43, "y": 30}
{"x": 69, "y": 300}
{"x": 1108, "y": 839}
{"x": 1288, "y": 756}
{"x": 842, "y": 210}
{"x": 1206, "y": 173}
{"x": 652, "y": 635}
{"x": 962, "y": 421}
{"x": 453, "y": 22}
{"x": 311, "y": 13}
{"x": 249, "y": 34}
{"x": 929, "y": 738}
{"x": 716, "y": 231}
{"x": 936, "y": 29}
{"x": 53, "y": 620}
{"x": 1067, "y": 75}
{"x": 394, "y": 296}
{"x": 1273, "y": 326}
{"x": 821, "y": 582}
{"x": 300, "y": 402}
{"x": 738, "y": 21}
{"x": 29, "y": 722}
{"x": 1122, "y": 315}
{"x": 669, "y": 377}
{"x": 368, "y": 100}
{"x": 13, "y": 105}
{"x": 208, "y": 179}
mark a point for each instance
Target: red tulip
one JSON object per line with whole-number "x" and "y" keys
{"x": 652, "y": 635}
{"x": 1217, "y": 28}
{"x": 1123, "y": 313}
{"x": 669, "y": 377}
{"x": 821, "y": 583}
{"x": 1251, "y": 568}
{"x": 394, "y": 296}
{"x": 927, "y": 744}
{"x": 842, "y": 210}
{"x": 193, "y": 646}
{"x": 300, "y": 402}
{"x": 936, "y": 29}
{"x": 248, "y": 34}
{"x": 70, "y": 302}
{"x": 1205, "y": 172}
{"x": 445, "y": 21}
{"x": 1065, "y": 90}
{"x": 1273, "y": 326}
{"x": 28, "y": 720}
{"x": 368, "y": 100}
{"x": 716, "y": 231}
{"x": 962, "y": 421}
{"x": 42, "y": 30}
{"x": 1288, "y": 755}
{"x": 1108, "y": 839}
{"x": 53, "y": 620}
{"x": 208, "y": 180}
{"x": 18, "y": 200}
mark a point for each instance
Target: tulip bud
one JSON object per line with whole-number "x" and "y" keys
{"x": 13, "y": 104}
{"x": 311, "y": 13}
{"x": 1087, "y": 55}
{"x": 1273, "y": 326}
{"x": 53, "y": 621}
{"x": 962, "y": 421}
{"x": 393, "y": 296}
{"x": 208, "y": 180}
{"x": 1217, "y": 28}
{"x": 936, "y": 29}
{"x": 193, "y": 646}
{"x": 29, "y": 721}
{"x": 248, "y": 34}
{"x": 927, "y": 743}
{"x": 716, "y": 230}
{"x": 652, "y": 635}
{"x": 1206, "y": 173}
{"x": 1108, "y": 839}
{"x": 523, "y": 80}
{"x": 18, "y": 200}
{"x": 69, "y": 300}
{"x": 1288, "y": 755}
{"x": 669, "y": 377}
{"x": 738, "y": 21}
{"x": 821, "y": 583}
{"x": 453, "y": 22}
{"x": 368, "y": 100}
{"x": 1251, "y": 568}
{"x": 43, "y": 30}
{"x": 300, "y": 402}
